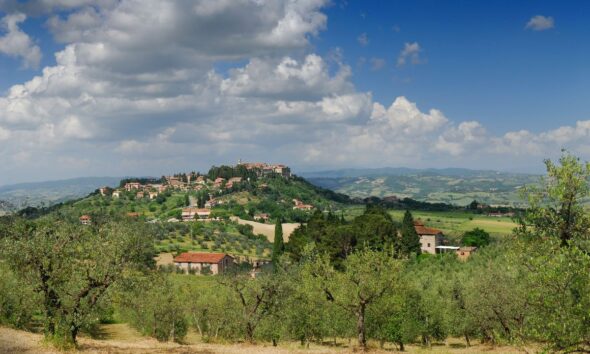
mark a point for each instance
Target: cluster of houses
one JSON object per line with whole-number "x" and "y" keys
{"x": 264, "y": 169}
{"x": 299, "y": 205}
{"x": 432, "y": 241}
{"x": 196, "y": 182}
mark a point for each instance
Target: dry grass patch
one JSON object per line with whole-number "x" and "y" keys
{"x": 121, "y": 339}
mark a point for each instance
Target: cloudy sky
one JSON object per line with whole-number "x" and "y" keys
{"x": 147, "y": 87}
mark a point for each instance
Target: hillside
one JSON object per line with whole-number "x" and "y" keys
{"x": 452, "y": 186}
{"x": 223, "y": 210}
{"x": 18, "y": 196}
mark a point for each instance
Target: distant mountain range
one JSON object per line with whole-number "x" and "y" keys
{"x": 17, "y": 196}
{"x": 450, "y": 185}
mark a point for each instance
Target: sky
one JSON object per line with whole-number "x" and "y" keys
{"x": 151, "y": 87}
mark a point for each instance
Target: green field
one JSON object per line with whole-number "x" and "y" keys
{"x": 452, "y": 223}
{"x": 460, "y": 188}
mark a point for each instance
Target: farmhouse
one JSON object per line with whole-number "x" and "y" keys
{"x": 299, "y": 205}
{"x": 85, "y": 219}
{"x": 263, "y": 217}
{"x": 465, "y": 252}
{"x": 430, "y": 238}
{"x": 190, "y": 214}
{"x": 203, "y": 214}
{"x": 216, "y": 263}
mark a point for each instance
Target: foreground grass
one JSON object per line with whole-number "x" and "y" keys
{"x": 120, "y": 338}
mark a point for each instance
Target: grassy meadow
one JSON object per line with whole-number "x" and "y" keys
{"x": 452, "y": 223}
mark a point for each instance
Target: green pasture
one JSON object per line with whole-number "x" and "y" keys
{"x": 452, "y": 223}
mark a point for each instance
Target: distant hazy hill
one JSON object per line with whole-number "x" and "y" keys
{"x": 451, "y": 185}
{"x": 20, "y": 195}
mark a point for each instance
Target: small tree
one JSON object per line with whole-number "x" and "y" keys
{"x": 279, "y": 244}
{"x": 476, "y": 237}
{"x": 556, "y": 210}
{"x": 410, "y": 241}
{"x": 256, "y": 298}
{"x": 368, "y": 277}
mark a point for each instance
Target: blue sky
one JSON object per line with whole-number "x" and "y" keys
{"x": 481, "y": 63}
{"x": 150, "y": 87}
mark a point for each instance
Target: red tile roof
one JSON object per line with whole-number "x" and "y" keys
{"x": 193, "y": 257}
{"x": 423, "y": 230}
{"x": 85, "y": 217}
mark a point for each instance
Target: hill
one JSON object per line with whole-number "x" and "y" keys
{"x": 451, "y": 186}
{"x": 18, "y": 196}
{"x": 223, "y": 206}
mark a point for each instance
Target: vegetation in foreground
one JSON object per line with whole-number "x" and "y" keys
{"x": 335, "y": 280}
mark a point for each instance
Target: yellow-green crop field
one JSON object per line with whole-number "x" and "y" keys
{"x": 452, "y": 223}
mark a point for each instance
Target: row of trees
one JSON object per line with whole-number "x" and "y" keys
{"x": 336, "y": 279}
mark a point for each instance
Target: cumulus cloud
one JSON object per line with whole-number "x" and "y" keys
{"x": 151, "y": 87}
{"x": 540, "y": 23}
{"x": 410, "y": 52}
{"x": 17, "y": 43}
{"x": 307, "y": 79}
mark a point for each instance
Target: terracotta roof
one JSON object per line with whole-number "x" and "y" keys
{"x": 193, "y": 257}
{"x": 85, "y": 217}
{"x": 423, "y": 230}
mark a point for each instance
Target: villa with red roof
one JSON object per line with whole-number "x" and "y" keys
{"x": 217, "y": 263}
{"x": 430, "y": 238}
{"x": 85, "y": 220}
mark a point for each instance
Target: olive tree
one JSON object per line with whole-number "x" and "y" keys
{"x": 368, "y": 276}
{"x": 73, "y": 266}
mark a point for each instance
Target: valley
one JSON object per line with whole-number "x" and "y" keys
{"x": 451, "y": 186}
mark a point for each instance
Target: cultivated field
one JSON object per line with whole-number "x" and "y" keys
{"x": 452, "y": 223}
{"x": 120, "y": 339}
{"x": 268, "y": 230}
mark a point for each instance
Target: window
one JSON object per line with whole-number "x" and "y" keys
{"x": 429, "y": 245}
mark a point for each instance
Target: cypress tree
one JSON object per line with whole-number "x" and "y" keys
{"x": 410, "y": 241}
{"x": 279, "y": 245}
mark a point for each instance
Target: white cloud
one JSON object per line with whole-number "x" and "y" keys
{"x": 410, "y": 52}
{"x": 4, "y": 134}
{"x": 118, "y": 99}
{"x": 404, "y": 118}
{"x": 540, "y": 23}
{"x": 467, "y": 136}
{"x": 363, "y": 39}
{"x": 307, "y": 79}
{"x": 17, "y": 43}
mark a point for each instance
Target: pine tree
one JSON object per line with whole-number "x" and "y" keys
{"x": 279, "y": 245}
{"x": 410, "y": 241}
